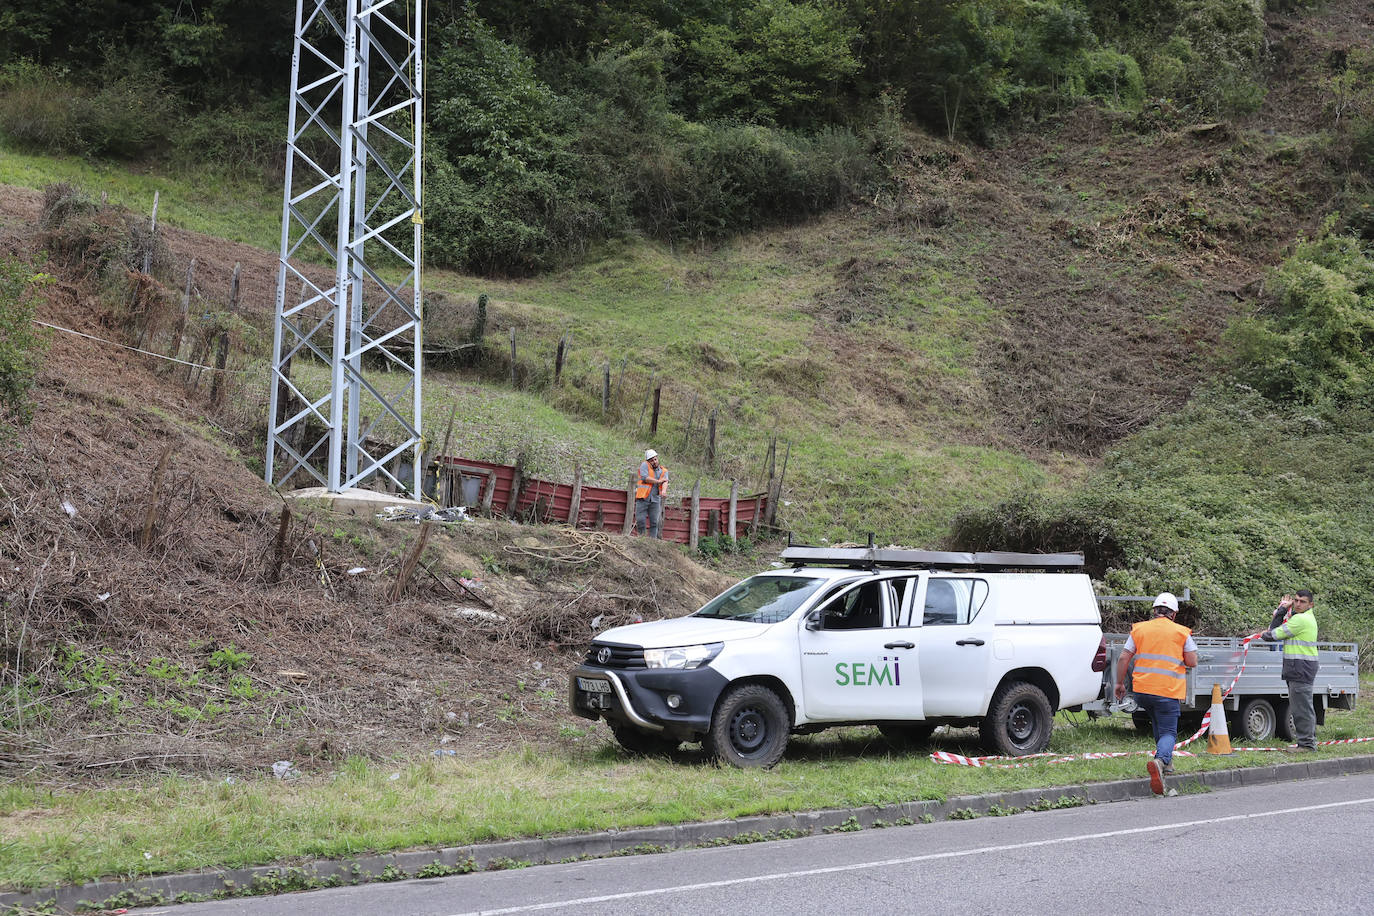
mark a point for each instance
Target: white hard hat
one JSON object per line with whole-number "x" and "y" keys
{"x": 1167, "y": 599}
{"x": 650, "y": 453}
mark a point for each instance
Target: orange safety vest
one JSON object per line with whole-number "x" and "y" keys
{"x": 1159, "y": 658}
{"x": 647, "y": 480}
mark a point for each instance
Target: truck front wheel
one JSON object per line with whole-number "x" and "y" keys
{"x": 1019, "y": 721}
{"x": 750, "y": 727}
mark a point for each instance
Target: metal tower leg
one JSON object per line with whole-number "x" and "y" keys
{"x": 351, "y": 351}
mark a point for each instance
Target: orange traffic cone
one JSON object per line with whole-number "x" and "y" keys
{"x": 1218, "y": 740}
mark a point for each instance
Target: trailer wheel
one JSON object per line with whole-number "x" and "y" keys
{"x": 907, "y": 735}
{"x": 1256, "y": 720}
{"x": 750, "y": 727}
{"x": 1019, "y": 720}
{"x": 1283, "y": 721}
{"x": 643, "y": 744}
{"x": 1142, "y": 724}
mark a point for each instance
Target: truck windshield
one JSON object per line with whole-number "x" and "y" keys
{"x": 761, "y": 599}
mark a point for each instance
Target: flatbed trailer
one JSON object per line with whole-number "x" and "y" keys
{"x": 1257, "y": 708}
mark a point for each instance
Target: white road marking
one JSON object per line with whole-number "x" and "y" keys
{"x": 907, "y": 860}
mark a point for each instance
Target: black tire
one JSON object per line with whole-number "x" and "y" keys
{"x": 643, "y": 744}
{"x": 750, "y": 727}
{"x": 1284, "y": 728}
{"x": 1142, "y": 723}
{"x": 907, "y": 735}
{"x": 1257, "y": 720}
{"x": 1019, "y": 721}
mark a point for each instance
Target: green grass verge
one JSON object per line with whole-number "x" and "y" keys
{"x": 207, "y": 200}
{"x": 67, "y": 835}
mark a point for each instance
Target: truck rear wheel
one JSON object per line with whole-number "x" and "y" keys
{"x": 1256, "y": 720}
{"x": 750, "y": 727}
{"x": 907, "y": 735}
{"x": 1019, "y": 720}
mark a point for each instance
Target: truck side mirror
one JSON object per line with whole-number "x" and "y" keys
{"x": 813, "y": 619}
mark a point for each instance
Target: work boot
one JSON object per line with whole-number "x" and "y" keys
{"x": 1299, "y": 749}
{"x": 1168, "y": 768}
{"x": 1156, "y": 776}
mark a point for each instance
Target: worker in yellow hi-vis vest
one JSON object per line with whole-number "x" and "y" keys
{"x": 1163, "y": 651}
{"x": 1299, "y": 637}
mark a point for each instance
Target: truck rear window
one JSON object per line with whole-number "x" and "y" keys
{"x": 761, "y": 599}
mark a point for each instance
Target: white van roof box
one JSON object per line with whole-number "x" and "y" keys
{"x": 873, "y": 557}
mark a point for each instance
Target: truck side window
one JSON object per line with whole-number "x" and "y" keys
{"x": 859, "y": 608}
{"x": 903, "y": 589}
{"x": 953, "y": 601}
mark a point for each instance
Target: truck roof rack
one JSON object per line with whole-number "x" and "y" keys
{"x": 874, "y": 557}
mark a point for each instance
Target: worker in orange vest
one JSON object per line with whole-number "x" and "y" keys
{"x": 1163, "y": 651}
{"x": 649, "y": 493}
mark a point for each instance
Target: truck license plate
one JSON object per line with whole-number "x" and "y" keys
{"x": 593, "y": 686}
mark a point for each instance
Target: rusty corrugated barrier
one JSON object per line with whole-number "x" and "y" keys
{"x": 600, "y": 507}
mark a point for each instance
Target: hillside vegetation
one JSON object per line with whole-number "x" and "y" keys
{"x": 1073, "y": 291}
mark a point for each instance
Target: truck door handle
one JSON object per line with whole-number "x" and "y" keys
{"x": 899, "y": 645}
{"x": 969, "y": 642}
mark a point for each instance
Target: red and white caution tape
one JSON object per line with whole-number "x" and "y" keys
{"x": 1035, "y": 759}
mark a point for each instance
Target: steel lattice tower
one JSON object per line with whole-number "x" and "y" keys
{"x": 356, "y": 112}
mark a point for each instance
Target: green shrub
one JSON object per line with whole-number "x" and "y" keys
{"x": 776, "y": 62}
{"x": 1318, "y": 343}
{"x": 125, "y": 111}
{"x": 1115, "y": 78}
{"x": 247, "y": 139}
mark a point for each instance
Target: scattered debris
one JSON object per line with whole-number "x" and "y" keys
{"x": 69, "y": 508}
{"x": 285, "y": 769}
{"x": 423, "y": 514}
{"x": 475, "y": 614}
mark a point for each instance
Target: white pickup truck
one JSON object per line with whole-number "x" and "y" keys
{"x": 906, "y": 640}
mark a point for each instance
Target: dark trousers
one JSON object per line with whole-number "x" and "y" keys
{"x": 1304, "y": 714}
{"x": 649, "y": 517}
{"x": 1164, "y": 720}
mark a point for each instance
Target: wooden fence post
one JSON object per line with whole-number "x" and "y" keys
{"x": 711, "y": 440}
{"x": 558, "y": 360}
{"x": 630, "y": 503}
{"x": 490, "y": 493}
{"x": 653, "y": 424}
{"x": 512, "y": 357}
{"x": 575, "y": 509}
{"x": 515, "y": 485}
{"x": 734, "y": 508}
{"x": 776, "y": 497}
{"x": 178, "y": 337}
{"x": 645, "y": 406}
{"x": 691, "y": 416}
{"x": 606, "y": 389}
{"x": 152, "y": 229}
{"x": 692, "y": 536}
{"x": 222, "y": 350}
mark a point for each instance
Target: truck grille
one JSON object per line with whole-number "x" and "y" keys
{"x": 607, "y": 656}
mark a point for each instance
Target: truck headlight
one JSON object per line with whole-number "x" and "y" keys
{"x": 682, "y": 656}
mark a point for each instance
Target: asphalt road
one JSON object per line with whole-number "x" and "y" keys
{"x": 1269, "y": 849}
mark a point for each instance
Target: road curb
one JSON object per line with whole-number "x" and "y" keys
{"x": 478, "y": 857}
